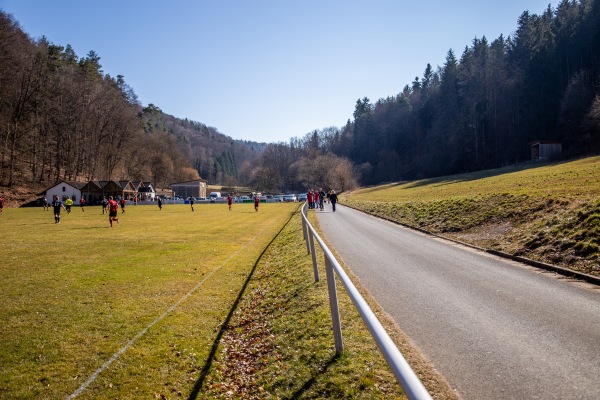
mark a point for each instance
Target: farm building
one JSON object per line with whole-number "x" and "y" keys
{"x": 541, "y": 150}
{"x": 195, "y": 188}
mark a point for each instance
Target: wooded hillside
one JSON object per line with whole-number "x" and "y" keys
{"x": 61, "y": 117}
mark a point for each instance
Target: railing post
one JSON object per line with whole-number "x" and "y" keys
{"x": 333, "y": 304}
{"x": 305, "y": 228}
{"x": 312, "y": 251}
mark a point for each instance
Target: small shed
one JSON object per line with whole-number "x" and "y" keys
{"x": 195, "y": 188}
{"x": 542, "y": 150}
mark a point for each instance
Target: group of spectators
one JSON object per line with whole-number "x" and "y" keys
{"x": 316, "y": 198}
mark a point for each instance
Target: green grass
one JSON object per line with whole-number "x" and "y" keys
{"x": 550, "y": 213}
{"x": 280, "y": 344}
{"x": 73, "y": 294}
{"x": 209, "y": 304}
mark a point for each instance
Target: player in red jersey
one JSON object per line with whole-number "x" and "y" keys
{"x": 113, "y": 209}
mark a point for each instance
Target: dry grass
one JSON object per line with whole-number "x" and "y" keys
{"x": 76, "y": 293}
{"x": 550, "y": 213}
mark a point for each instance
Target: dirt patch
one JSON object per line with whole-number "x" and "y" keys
{"x": 20, "y": 196}
{"x": 486, "y": 236}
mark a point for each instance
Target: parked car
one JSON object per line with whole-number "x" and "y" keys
{"x": 278, "y": 198}
{"x": 302, "y": 196}
{"x": 290, "y": 198}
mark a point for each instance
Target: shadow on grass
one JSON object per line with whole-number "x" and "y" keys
{"x": 308, "y": 384}
{"x": 213, "y": 350}
{"x": 473, "y": 176}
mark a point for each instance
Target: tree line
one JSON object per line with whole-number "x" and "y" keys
{"x": 61, "y": 117}
{"x": 478, "y": 111}
{"x": 482, "y": 109}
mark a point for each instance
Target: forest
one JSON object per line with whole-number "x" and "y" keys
{"x": 481, "y": 109}
{"x": 62, "y": 118}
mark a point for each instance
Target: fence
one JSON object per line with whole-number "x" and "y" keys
{"x": 412, "y": 386}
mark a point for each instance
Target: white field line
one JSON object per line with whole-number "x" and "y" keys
{"x": 122, "y": 350}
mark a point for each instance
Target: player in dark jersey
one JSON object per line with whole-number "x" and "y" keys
{"x": 57, "y": 205}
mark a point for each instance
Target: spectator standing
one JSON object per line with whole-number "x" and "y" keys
{"x": 113, "y": 209}
{"x": 310, "y": 199}
{"x": 333, "y": 199}
{"x": 57, "y": 205}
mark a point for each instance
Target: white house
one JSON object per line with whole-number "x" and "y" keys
{"x": 65, "y": 190}
{"x": 146, "y": 191}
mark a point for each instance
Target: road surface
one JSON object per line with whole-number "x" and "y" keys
{"x": 493, "y": 328}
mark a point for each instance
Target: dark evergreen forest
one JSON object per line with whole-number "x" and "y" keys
{"x": 481, "y": 109}
{"x": 61, "y": 117}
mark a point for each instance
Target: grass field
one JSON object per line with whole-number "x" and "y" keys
{"x": 179, "y": 304}
{"x": 151, "y": 292}
{"x": 550, "y": 213}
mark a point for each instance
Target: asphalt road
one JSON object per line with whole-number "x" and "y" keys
{"x": 495, "y": 329}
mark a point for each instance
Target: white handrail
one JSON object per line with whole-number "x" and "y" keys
{"x": 412, "y": 386}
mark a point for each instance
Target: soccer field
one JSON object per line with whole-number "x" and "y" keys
{"x": 91, "y": 311}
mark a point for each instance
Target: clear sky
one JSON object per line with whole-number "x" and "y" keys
{"x": 267, "y": 70}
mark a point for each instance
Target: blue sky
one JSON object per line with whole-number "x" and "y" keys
{"x": 267, "y": 70}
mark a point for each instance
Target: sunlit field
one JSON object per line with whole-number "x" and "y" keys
{"x": 122, "y": 312}
{"x": 546, "y": 212}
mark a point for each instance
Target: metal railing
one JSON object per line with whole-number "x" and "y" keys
{"x": 412, "y": 386}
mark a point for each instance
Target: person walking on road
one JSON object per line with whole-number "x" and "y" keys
{"x": 333, "y": 199}
{"x": 57, "y": 205}
{"x": 322, "y": 195}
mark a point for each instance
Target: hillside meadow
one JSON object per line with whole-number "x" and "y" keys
{"x": 177, "y": 304}
{"x": 545, "y": 212}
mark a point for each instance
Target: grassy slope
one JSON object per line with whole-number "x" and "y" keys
{"x": 279, "y": 343}
{"x": 550, "y": 213}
